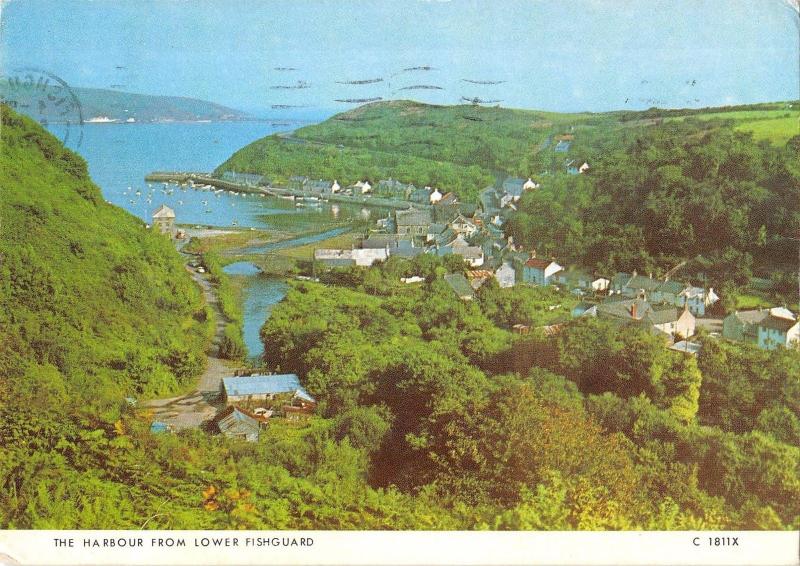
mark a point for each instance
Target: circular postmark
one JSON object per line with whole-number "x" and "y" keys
{"x": 46, "y": 98}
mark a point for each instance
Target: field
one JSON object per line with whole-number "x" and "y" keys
{"x": 776, "y": 126}
{"x": 342, "y": 241}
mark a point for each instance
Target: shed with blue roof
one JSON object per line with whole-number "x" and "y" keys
{"x": 257, "y": 387}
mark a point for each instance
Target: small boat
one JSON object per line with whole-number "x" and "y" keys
{"x": 208, "y": 211}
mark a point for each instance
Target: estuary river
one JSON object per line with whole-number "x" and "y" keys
{"x": 120, "y": 155}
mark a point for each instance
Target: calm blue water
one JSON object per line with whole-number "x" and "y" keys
{"x": 261, "y": 294}
{"x": 120, "y": 155}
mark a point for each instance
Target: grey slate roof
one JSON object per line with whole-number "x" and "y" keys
{"x": 459, "y": 284}
{"x": 413, "y": 217}
{"x": 513, "y": 186}
{"x": 235, "y": 422}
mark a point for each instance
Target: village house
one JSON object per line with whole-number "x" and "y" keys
{"x": 462, "y": 225}
{"x": 530, "y": 184}
{"x": 362, "y": 188}
{"x": 767, "y": 328}
{"x": 361, "y": 257}
{"x": 576, "y": 167}
{"x": 420, "y": 196}
{"x": 601, "y": 284}
{"x": 435, "y": 196}
{"x": 164, "y": 220}
{"x": 698, "y": 299}
{"x": 321, "y": 187}
{"x": 334, "y": 257}
{"x": 633, "y": 285}
{"x": 473, "y": 255}
{"x": 667, "y": 292}
{"x": 574, "y": 280}
{"x": 413, "y": 222}
{"x": 249, "y": 179}
{"x": 671, "y": 321}
{"x": 538, "y": 271}
{"x": 262, "y": 387}
{"x": 672, "y": 292}
{"x": 460, "y": 286}
{"x": 666, "y": 320}
{"x": 513, "y": 187}
{"x": 506, "y": 275}
{"x": 234, "y": 422}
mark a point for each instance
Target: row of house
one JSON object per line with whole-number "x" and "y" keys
{"x": 769, "y": 329}
{"x": 659, "y": 318}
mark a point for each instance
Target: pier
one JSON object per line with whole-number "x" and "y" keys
{"x": 194, "y": 178}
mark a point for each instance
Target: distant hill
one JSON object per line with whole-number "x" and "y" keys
{"x": 464, "y": 148}
{"x": 120, "y": 106}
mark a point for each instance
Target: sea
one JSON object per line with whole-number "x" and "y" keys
{"x": 120, "y": 155}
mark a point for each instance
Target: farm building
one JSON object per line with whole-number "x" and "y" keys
{"x": 234, "y": 422}
{"x": 263, "y": 387}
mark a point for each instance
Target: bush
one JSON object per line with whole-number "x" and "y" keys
{"x": 231, "y": 347}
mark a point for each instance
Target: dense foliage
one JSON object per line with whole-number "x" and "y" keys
{"x": 672, "y": 193}
{"x": 594, "y": 427}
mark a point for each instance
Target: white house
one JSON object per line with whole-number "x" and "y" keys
{"x": 335, "y": 187}
{"x": 506, "y": 276}
{"x": 436, "y": 196}
{"x": 471, "y": 254}
{"x": 366, "y": 257}
{"x": 362, "y": 187}
{"x": 539, "y": 271}
{"x": 601, "y": 284}
{"x": 530, "y": 184}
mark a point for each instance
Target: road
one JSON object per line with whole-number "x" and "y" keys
{"x": 196, "y": 408}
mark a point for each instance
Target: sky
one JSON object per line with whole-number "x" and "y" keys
{"x": 576, "y": 55}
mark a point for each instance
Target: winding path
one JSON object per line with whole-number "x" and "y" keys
{"x": 194, "y": 409}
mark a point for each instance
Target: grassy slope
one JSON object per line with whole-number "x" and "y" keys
{"x": 462, "y": 148}
{"x": 776, "y": 125}
{"x": 89, "y": 297}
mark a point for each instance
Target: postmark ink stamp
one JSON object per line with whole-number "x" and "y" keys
{"x": 47, "y": 99}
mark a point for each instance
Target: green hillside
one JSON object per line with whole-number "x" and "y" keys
{"x": 464, "y": 148}
{"x": 117, "y": 105}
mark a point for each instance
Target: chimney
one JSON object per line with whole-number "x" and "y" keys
{"x": 633, "y": 310}
{"x": 634, "y": 273}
